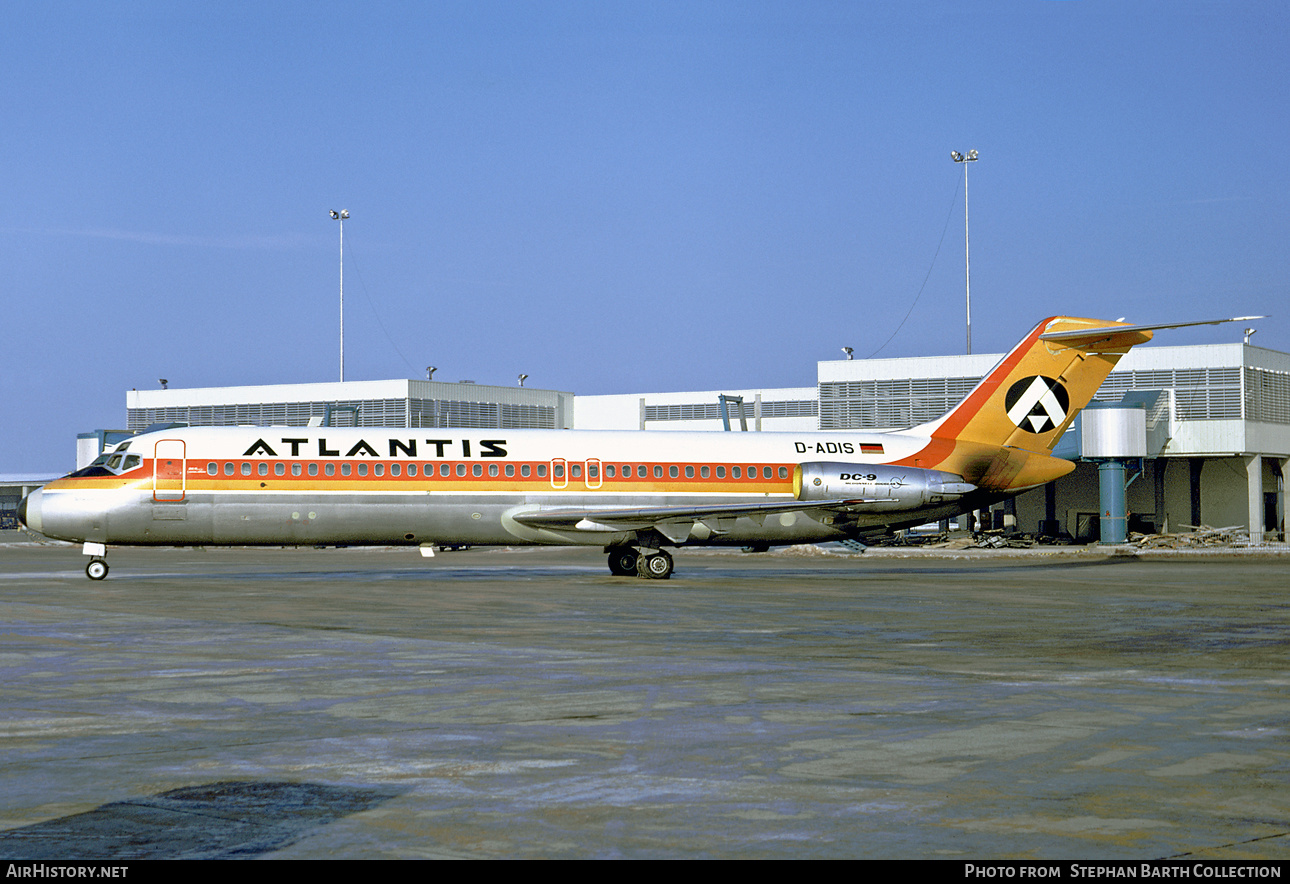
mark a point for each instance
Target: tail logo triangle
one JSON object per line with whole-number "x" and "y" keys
{"x": 1037, "y": 404}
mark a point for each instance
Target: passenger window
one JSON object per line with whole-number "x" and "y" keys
{"x": 345, "y": 469}
{"x": 658, "y": 471}
{"x": 721, "y": 472}
{"x": 689, "y": 472}
{"x": 541, "y": 471}
{"x": 295, "y": 469}
{"x": 228, "y": 468}
{"x": 510, "y": 469}
{"x": 703, "y": 472}
{"x": 524, "y": 470}
{"x": 362, "y": 469}
{"x": 752, "y": 472}
{"x": 593, "y": 471}
{"x": 461, "y": 469}
{"x": 313, "y": 469}
{"x": 610, "y": 471}
{"x": 558, "y": 470}
{"x": 262, "y": 468}
{"x": 279, "y": 469}
{"x": 246, "y": 468}
{"x": 329, "y": 469}
{"x": 412, "y": 469}
{"x": 766, "y": 473}
{"x": 212, "y": 468}
{"x": 444, "y": 470}
{"x": 673, "y": 472}
{"x": 378, "y": 469}
{"x": 492, "y": 469}
{"x": 736, "y": 473}
{"x": 396, "y": 469}
{"x": 642, "y": 471}
{"x": 576, "y": 471}
{"x": 477, "y": 469}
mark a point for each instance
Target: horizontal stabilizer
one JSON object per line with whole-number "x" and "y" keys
{"x": 1087, "y": 335}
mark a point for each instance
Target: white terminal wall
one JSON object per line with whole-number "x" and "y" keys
{"x": 628, "y": 411}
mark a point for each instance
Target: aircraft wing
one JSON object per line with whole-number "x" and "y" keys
{"x": 677, "y": 522}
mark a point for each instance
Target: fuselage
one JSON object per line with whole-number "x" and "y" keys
{"x": 291, "y": 485}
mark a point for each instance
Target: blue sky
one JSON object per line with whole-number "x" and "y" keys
{"x": 611, "y": 196}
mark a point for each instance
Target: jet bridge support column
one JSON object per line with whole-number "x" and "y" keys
{"x": 1111, "y": 493}
{"x": 1110, "y": 436}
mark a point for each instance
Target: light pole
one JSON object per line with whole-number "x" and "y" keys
{"x": 341, "y": 216}
{"x": 967, "y": 250}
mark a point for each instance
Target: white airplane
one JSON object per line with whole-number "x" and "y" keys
{"x": 632, "y": 493}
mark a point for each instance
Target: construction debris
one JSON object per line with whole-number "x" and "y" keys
{"x": 1200, "y": 537}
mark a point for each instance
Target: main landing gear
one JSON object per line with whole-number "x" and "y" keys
{"x": 625, "y": 561}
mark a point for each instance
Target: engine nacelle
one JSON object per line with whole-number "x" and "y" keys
{"x": 877, "y": 487}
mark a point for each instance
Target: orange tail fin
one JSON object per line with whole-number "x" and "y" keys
{"x": 1002, "y": 435}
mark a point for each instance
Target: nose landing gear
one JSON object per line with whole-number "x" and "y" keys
{"x": 97, "y": 569}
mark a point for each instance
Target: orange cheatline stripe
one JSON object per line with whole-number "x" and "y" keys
{"x": 198, "y": 478}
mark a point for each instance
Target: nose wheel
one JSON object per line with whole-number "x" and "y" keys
{"x": 97, "y": 569}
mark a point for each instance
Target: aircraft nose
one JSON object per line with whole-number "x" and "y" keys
{"x": 29, "y": 511}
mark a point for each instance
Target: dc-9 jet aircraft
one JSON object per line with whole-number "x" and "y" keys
{"x": 633, "y": 493}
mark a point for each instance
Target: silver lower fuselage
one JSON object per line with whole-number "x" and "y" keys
{"x": 133, "y": 517}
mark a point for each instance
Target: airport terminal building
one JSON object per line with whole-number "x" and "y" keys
{"x": 1200, "y": 435}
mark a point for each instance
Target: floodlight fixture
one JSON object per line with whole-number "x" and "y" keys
{"x": 523, "y": 378}
{"x": 848, "y": 351}
{"x": 430, "y": 370}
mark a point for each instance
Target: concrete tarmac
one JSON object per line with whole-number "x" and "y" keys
{"x": 524, "y": 703}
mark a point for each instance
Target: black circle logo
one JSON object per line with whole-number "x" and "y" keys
{"x": 1037, "y": 404}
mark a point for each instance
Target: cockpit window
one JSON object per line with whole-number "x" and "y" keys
{"x": 110, "y": 463}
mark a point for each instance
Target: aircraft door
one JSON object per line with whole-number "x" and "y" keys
{"x": 168, "y": 471}
{"x": 593, "y": 472}
{"x": 559, "y": 472}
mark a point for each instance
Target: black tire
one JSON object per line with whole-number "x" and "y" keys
{"x": 622, "y": 562}
{"x": 659, "y": 566}
{"x": 97, "y": 569}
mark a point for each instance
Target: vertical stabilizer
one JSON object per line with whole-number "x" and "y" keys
{"x": 1002, "y": 435}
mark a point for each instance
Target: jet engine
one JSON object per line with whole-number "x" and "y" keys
{"x": 877, "y": 487}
